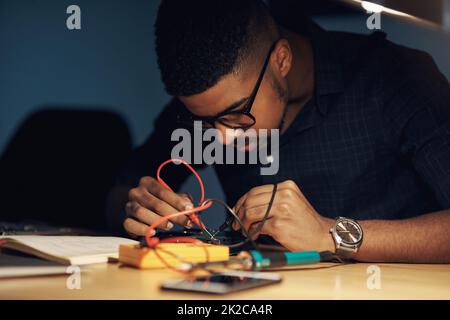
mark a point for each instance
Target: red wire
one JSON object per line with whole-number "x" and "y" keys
{"x": 153, "y": 241}
{"x": 193, "y": 217}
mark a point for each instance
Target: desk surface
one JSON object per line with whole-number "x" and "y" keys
{"x": 322, "y": 281}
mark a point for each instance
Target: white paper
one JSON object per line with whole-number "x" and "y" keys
{"x": 75, "y": 248}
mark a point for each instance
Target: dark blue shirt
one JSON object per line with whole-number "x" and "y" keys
{"x": 373, "y": 143}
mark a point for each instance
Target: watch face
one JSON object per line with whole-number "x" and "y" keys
{"x": 348, "y": 231}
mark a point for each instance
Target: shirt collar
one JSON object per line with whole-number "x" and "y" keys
{"x": 327, "y": 64}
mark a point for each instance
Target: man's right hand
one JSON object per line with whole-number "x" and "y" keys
{"x": 150, "y": 201}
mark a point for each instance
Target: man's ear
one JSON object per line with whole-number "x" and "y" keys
{"x": 282, "y": 58}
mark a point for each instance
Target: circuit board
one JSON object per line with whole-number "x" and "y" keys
{"x": 224, "y": 237}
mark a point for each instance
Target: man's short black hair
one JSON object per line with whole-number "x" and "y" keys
{"x": 200, "y": 41}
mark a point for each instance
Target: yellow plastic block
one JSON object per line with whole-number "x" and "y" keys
{"x": 146, "y": 258}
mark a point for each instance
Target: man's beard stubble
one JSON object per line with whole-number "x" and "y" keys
{"x": 283, "y": 96}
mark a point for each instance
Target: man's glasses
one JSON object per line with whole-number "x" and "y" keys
{"x": 233, "y": 119}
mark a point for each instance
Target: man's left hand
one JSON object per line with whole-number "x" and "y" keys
{"x": 292, "y": 221}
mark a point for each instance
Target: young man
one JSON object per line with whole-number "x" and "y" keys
{"x": 364, "y": 123}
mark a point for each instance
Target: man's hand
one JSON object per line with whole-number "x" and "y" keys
{"x": 292, "y": 221}
{"x": 150, "y": 201}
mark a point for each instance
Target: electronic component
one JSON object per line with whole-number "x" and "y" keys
{"x": 171, "y": 254}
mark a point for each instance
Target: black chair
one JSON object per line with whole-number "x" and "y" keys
{"x": 60, "y": 165}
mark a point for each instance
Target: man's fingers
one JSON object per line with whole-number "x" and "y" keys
{"x": 187, "y": 196}
{"x": 268, "y": 188}
{"x": 289, "y": 184}
{"x": 169, "y": 201}
{"x": 267, "y": 228}
{"x": 156, "y": 205}
{"x": 144, "y": 215}
{"x": 259, "y": 199}
{"x": 134, "y": 227}
{"x": 252, "y": 215}
{"x": 255, "y": 225}
{"x": 177, "y": 201}
{"x": 260, "y": 196}
{"x": 253, "y": 192}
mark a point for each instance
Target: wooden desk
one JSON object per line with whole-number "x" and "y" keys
{"x": 323, "y": 281}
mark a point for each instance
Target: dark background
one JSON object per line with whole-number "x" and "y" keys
{"x": 101, "y": 88}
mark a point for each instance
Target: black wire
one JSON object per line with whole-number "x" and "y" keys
{"x": 247, "y": 234}
{"x": 266, "y": 215}
{"x": 262, "y": 222}
{"x": 260, "y": 226}
{"x": 228, "y": 222}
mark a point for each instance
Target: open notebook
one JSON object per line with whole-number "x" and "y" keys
{"x": 76, "y": 250}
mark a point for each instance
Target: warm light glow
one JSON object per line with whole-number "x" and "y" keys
{"x": 376, "y": 8}
{"x": 372, "y": 7}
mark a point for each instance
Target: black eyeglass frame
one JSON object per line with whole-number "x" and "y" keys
{"x": 245, "y": 111}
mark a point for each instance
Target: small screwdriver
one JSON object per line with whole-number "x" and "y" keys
{"x": 272, "y": 259}
{"x": 256, "y": 260}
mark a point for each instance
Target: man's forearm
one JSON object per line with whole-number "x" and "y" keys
{"x": 423, "y": 239}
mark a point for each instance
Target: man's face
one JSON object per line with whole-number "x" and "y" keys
{"x": 234, "y": 90}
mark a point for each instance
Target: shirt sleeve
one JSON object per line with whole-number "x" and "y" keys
{"x": 416, "y": 109}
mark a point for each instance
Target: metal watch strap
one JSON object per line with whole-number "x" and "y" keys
{"x": 345, "y": 254}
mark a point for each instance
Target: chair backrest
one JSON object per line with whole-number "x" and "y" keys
{"x": 60, "y": 165}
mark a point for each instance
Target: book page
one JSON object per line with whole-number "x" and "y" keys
{"x": 72, "y": 246}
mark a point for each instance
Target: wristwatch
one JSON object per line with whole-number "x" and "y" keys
{"x": 348, "y": 236}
